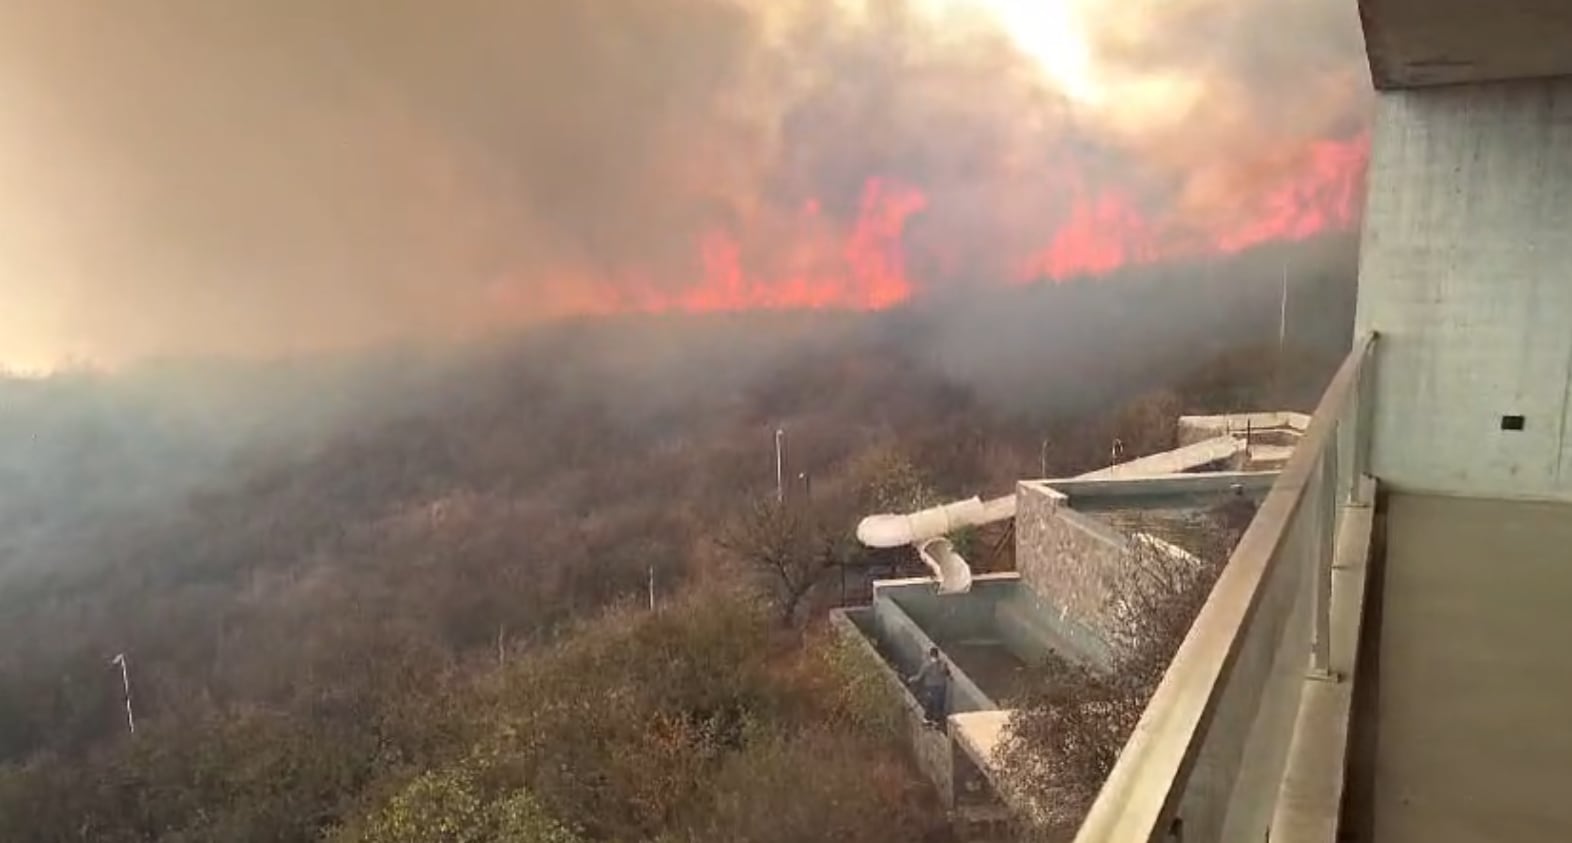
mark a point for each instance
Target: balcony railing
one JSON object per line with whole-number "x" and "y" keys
{"x": 1206, "y": 761}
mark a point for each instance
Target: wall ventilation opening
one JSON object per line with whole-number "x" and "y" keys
{"x": 1512, "y": 422}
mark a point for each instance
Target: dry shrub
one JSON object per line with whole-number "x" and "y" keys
{"x": 813, "y": 785}
{"x": 700, "y": 721}
{"x": 1065, "y": 739}
{"x": 791, "y": 546}
{"x": 838, "y": 683}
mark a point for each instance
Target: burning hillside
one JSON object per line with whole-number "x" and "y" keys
{"x": 269, "y": 181}
{"x": 865, "y": 267}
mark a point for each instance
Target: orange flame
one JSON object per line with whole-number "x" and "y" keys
{"x": 870, "y": 272}
{"x": 1109, "y": 232}
{"x": 863, "y": 270}
{"x": 866, "y": 268}
{"x": 1323, "y": 197}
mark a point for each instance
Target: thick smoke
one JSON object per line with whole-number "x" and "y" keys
{"x": 1222, "y": 99}
{"x": 279, "y": 175}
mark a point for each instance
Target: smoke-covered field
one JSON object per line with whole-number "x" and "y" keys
{"x": 296, "y": 175}
{"x": 421, "y": 346}
{"x": 328, "y": 554}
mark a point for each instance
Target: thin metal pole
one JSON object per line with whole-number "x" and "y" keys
{"x": 1282, "y": 338}
{"x": 1363, "y": 419}
{"x": 125, "y": 682}
{"x": 1043, "y": 456}
{"x": 780, "y": 466}
{"x": 652, "y": 588}
{"x": 1282, "y": 319}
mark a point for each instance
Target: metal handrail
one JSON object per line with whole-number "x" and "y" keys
{"x": 1140, "y": 800}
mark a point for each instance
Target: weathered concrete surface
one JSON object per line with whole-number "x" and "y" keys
{"x": 1076, "y": 565}
{"x": 1310, "y": 800}
{"x": 981, "y": 734}
{"x": 1475, "y": 679}
{"x": 905, "y": 644}
{"x": 992, "y": 635}
{"x": 952, "y": 617}
{"x": 998, "y": 608}
{"x": 1440, "y": 42}
{"x": 1193, "y": 429}
{"x": 1072, "y": 562}
{"x": 1225, "y": 451}
{"x": 1464, "y": 273}
{"x": 1173, "y": 492}
{"x": 932, "y": 749}
{"x": 1030, "y": 626}
{"x": 991, "y": 664}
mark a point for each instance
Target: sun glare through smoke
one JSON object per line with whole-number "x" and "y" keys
{"x": 1050, "y": 32}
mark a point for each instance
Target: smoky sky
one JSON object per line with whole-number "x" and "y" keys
{"x": 283, "y": 175}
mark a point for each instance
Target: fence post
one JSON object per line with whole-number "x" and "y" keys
{"x": 1363, "y": 420}
{"x": 1323, "y": 549}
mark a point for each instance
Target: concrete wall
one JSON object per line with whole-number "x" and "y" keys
{"x": 1072, "y": 563}
{"x": 1466, "y": 272}
{"x": 1193, "y": 429}
{"x": 1032, "y": 628}
{"x": 953, "y": 617}
{"x": 998, "y": 608}
{"x": 905, "y": 645}
{"x": 952, "y": 772}
{"x": 933, "y": 750}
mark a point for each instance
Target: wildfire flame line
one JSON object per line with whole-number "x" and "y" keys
{"x": 866, "y": 268}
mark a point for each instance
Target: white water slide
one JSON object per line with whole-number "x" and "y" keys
{"x": 927, "y": 529}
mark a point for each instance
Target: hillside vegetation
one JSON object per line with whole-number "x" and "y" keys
{"x": 411, "y": 602}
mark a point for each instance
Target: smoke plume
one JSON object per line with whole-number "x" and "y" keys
{"x": 285, "y": 175}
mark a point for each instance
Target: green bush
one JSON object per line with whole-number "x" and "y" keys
{"x": 448, "y": 806}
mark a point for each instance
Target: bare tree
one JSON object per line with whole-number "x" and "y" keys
{"x": 790, "y": 546}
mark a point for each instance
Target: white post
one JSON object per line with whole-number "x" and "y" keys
{"x": 780, "y": 466}
{"x": 125, "y": 682}
{"x": 1044, "y": 459}
{"x": 1282, "y": 339}
{"x": 1361, "y": 489}
{"x": 1322, "y": 556}
{"x": 652, "y": 588}
{"x": 1282, "y": 319}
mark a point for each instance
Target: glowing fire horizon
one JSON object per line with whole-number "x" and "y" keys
{"x": 437, "y": 171}
{"x": 867, "y": 268}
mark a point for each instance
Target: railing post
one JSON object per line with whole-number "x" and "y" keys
{"x": 1363, "y": 422}
{"x": 1323, "y": 548}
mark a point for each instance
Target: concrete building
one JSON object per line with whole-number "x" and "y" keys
{"x": 1385, "y": 657}
{"x": 1267, "y": 439}
{"x": 1075, "y": 542}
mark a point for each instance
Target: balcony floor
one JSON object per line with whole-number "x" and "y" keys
{"x": 1474, "y": 695}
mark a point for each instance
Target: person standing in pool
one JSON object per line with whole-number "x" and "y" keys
{"x": 932, "y": 685}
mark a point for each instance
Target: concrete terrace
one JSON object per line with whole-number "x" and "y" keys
{"x": 1471, "y": 731}
{"x": 994, "y": 635}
